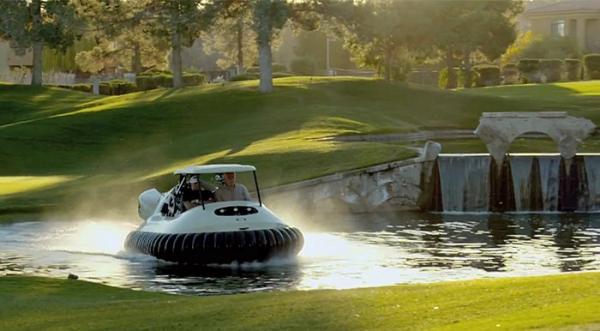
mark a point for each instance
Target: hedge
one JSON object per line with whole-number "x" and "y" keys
{"x": 510, "y": 73}
{"x": 551, "y": 69}
{"x": 443, "y": 78}
{"x": 252, "y": 76}
{"x": 486, "y": 75}
{"x": 573, "y": 68}
{"x": 529, "y": 70}
{"x": 147, "y": 81}
{"x": 591, "y": 62}
{"x": 275, "y": 67}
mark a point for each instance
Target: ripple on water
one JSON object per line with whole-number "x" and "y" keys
{"x": 397, "y": 248}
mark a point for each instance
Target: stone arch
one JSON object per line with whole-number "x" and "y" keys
{"x": 499, "y": 130}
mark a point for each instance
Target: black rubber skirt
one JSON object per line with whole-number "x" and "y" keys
{"x": 218, "y": 247}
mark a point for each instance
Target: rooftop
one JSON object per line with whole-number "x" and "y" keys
{"x": 565, "y": 6}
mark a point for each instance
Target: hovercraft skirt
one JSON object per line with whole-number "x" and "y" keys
{"x": 218, "y": 247}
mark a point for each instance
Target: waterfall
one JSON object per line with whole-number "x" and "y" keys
{"x": 475, "y": 183}
{"x": 592, "y": 168}
{"x": 464, "y": 182}
{"x": 549, "y": 180}
{"x": 521, "y": 169}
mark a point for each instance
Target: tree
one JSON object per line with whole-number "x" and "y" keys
{"x": 232, "y": 36}
{"x": 528, "y": 45}
{"x": 464, "y": 27}
{"x": 38, "y": 23}
{"x": 269, "y": 16}
{"x": 121, "y": 37}
{"x": 378, "y": 33}
{"x": 313, "y": 45}
{"x": 178, "y": 23}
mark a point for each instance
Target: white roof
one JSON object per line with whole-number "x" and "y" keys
{"x": 215, "y": 169}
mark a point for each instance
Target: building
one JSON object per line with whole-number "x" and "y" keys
{"x": 578, "y": 19}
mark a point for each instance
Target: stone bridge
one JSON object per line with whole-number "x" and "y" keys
{"x": 499, "y": 130}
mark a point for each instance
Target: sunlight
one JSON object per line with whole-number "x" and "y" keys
{"x": 18, "y": 184}
{"x": 206, "y": 158}
{"x": 359, "y": 264}
{"x": 100, "y": 237}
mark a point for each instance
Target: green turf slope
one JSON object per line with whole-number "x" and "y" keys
{"x": 58, "y": 147}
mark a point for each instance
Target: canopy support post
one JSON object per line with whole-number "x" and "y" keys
{"x": 257, "y": 190}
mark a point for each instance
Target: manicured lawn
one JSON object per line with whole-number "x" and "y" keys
{"x": 551, "y": 302}
{"x": 73, "y": 147}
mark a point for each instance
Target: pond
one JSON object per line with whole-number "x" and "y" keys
{"x": 358, "y": 251}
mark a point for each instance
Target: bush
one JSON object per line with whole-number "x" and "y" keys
{"x": 533, "y": 46}
{"x": 510, "y": 74}
{"x": 591, "y": 62}
{"x": 550, "y": 69}
{"x": 146, "y": 82}
{"x": 573, "y": 68}
{"x": 154, "y": 72}
{"x": 118, "y": 87}
{"x": 529, "y": 70}
{"x": 193, "y": 79}
{"x": 246, "y": 76}
{"x": 82, "y": 87}
{"x": 276, "y": 67}
{"x": 443, "y": 78}
{"x": 252, "y": 76}
{"x": 303, "y": 66}
{"x": 487, "y": 75}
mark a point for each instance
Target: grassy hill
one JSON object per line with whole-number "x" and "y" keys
{"x": 76, "y": 150}
{"x": 564, "y": 302}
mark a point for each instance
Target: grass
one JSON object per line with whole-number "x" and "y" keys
{"x": 73, "y": 146}
{"x": 550, "y": 302}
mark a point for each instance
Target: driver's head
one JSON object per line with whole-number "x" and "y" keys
{"x": 229, "y": 178}
{"x": 194, "y": 183}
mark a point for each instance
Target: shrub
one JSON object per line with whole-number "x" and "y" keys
{"x": 303, "y": 66}
{"x": 146, "y": 82}
{"x": 487, "y": 75}
{"x": 154, "y": 72}
{"x": 82, "y": 87}
{"x": 246, "y": 76}
{"x": 510, "y": 74}
{"x": 252, "y": 76}
{"x": 573, "y": 68}
{"x": 591, "y": 62}
{"x": 533, "y": 46}
{"x": 443, "y": 78}
{"x": 529, "y": 70}
{"x": 281, "y": 74}
{"x": 105, "y": 88}
{"x": 118, "y": 87}
{"x": 550, "y": 69}
{"x": 193, "y": 79}
{"x": 276, "y": 67}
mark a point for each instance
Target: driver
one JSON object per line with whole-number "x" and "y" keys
{"x": 195, "y": 194}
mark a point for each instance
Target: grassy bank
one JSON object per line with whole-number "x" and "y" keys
{"x": 83, "y": 152}
{"x": 552, "y": 302}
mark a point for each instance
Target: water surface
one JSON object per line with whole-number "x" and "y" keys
{"x": 359, "y": 251}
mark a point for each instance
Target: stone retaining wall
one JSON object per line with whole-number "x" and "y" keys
{"x": 400, "y": 185}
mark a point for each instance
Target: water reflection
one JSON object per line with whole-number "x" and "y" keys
{"x": 367, "y": 250}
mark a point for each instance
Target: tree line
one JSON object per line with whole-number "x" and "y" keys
{"x": 378, "y": 33}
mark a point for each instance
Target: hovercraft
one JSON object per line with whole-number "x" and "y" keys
{"x": 212, "y": 231}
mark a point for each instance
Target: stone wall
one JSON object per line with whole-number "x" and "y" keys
{"x": 401, "y": 185}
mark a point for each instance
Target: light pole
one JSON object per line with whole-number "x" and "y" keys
{"x": 329, "y": 73}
